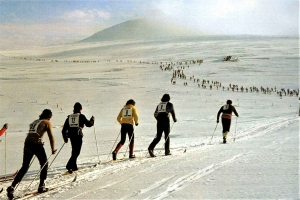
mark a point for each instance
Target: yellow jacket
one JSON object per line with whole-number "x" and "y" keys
{"x": 128, "y": 115}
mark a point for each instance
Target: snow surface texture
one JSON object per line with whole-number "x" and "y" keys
{"x": 262, "y": 162}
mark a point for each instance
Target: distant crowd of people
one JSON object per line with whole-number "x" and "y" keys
{"x": 178, "y": 67}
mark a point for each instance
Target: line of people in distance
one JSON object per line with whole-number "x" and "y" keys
{"x": 74, "y": 124}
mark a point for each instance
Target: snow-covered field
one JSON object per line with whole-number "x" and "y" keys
{"x": 262, "y": 162}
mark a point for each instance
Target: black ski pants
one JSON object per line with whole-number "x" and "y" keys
{"x": 226, "y": 123}
{"x": 126, "y": 128}
{"x": 163, "y": 126}
{"x": 31, "y": 149}
{"x": 76, "y": 143}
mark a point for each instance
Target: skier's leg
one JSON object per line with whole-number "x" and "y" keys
{"x": 131, "y": 145}
{"x": 77, "y": 152}
{"x": 226, "y": 127}
{"x": 157, "y": 138}
{"x": 76, "y": 143}
{"x": 121, "y": 143}
{"x": 27, "y": 156}
{"x": 42, "y": 157}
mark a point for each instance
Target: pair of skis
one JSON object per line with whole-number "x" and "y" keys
{"x": 7, "y": 178}
{"x": 53, "y": 187}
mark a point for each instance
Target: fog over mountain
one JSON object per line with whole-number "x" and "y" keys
{"x": 141, "y": 29}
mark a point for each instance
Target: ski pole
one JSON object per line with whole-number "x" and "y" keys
{"x": 56, "y": 154}
{"x": 213, "y": 134}
{"x": 97, "y": 144}
{"x": 113, "y": 146}
{"x": 38, "y": 173}
{"x": 235, "y": 130}
{"x": 5, "y": 156}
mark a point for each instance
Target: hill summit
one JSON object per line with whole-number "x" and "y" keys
{"x": 140, "y": 29}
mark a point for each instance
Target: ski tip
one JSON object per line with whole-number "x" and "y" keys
{"x": 75, "y": 178}
{"x": 1, "y": 190}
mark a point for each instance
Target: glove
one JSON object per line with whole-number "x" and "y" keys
{"x": 92, "y": 118}
{"x": 175, "y": 120}
{"x": 217, "y": 121}
{"x": 66, "y": 139}
{"x": 136, "y": 124}
{"x": 5, "y": 126}
{"x": 54, "y": 151}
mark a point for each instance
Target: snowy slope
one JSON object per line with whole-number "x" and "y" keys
{"x": 263, "y": 162}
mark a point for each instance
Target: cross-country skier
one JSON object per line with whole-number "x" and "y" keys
{"x": 35, "y": 146}
{"x": 73, "y": 129}
{"x": 4, "y": 128}
{"x": 162, "y": 114}
{"x": 127, "y": 117}
{"x": 226, "y": 111}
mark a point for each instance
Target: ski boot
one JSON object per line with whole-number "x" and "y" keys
{"x": 42, "y": 189}
{"x": 114, "y": 155}
{"x": 151, "y": 152}
{"x": 168, "y": 153}
{"x": 132, "y": 156}
{"x": 10, "y": 192}
{"x": 70, "y": 171}
{"x": 224, "y": 140}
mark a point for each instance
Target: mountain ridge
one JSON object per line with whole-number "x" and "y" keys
{"x": 140, "y": 29}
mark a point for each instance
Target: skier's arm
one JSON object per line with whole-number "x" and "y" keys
{"x": 156, "y": 112}
{"x": 119, "y": 117}
{"x": 50, "y": 135}
{"x": 173, "y": 113}
{"x": 218, "y": 116}
{"x": 65, "y": 130}
{"x": 88, "y": 123}
{"x": 135, "y": 116}
{"x": 235, "y": 112}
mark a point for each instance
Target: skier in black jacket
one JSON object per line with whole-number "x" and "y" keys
{"x": 226, "y": 111}
{"x": 73, "y": 129}
{"x": 162, "y": 114}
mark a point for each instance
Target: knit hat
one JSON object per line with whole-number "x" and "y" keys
{"x": 77, "y": 106}
{"x": 229, "y": 102}
{"x": 166, "y": 98}
{"x": 130, "y": 101}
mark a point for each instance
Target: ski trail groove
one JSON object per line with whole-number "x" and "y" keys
{"x": 184, "y": 181}
{"x": 151, "y": 187}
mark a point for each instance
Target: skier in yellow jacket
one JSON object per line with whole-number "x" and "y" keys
{"x": 127, "y": 117}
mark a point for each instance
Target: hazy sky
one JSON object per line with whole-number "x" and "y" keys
{"x": 76, "y": 20}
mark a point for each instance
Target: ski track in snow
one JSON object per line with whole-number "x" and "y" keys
{"x": 151, "y": 187}
{"x": 107, "y": 168}
{"x": 265, "y": 128}
{"x": 184, "y": 181}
